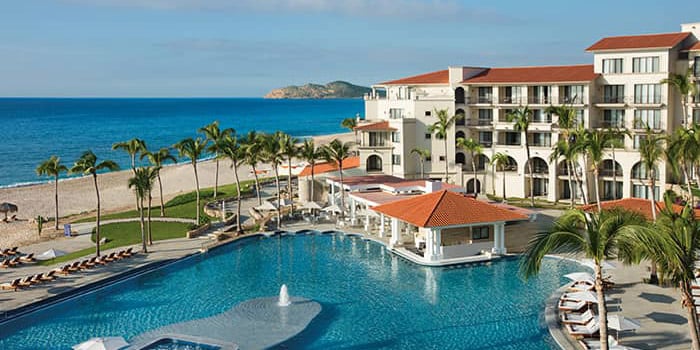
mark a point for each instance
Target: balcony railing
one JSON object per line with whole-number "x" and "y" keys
{"x": 481, "y": 99}
{"x": 510, "y": 100}
{"x": 486, "y": 143}
{"x": 481, "y": 122}
{"x": 612, "y": 99}
{"x": 570, "y": 100}
{"x": 543, "y": 100}
{"x": 610, "y": 172}
{"x": 654, "y": 124}
{"x": 647, "y": 100}
{"x": 542, "y": 120}
{"x": 611, "y": 124}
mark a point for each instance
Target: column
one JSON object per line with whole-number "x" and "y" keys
{"x": 394, "y": 232}
{"x": 429, "y": 244}
{"x": 381, "y": 225}
{"x": 437, "y": 234}
{"x": 332, "y": 194}
{"x": 496, "y": 240}
{"x": 366, "y": 218}
{"x": 353, "y": 212}
{"x": 503, "y": 237}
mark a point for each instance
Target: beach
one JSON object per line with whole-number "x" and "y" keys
{"x": 77, "y": 195}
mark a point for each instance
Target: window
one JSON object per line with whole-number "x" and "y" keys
{"x": 395, "y": 113}
{"x": 572, "y": 94}
{"x": 612, "y": 66}
{"x": 485, "y": 94}
{"x": 442, "y": 158}
{"x": 541, "y": 139}
{"x": 579, "y": 117}
{"x": 647, "y": 93}
{"x": 396, "y": 159}
{"x": 614, "y": 94}
{"x": 485, "y": 116}
{"x": 696, "y": 66}
{"x": 485, "y": 138}
{"x": 376, "y": 139}
{"x": 428, "y": 113}
{"x": 428, "y": 136}
{"x": 396, "y": 137}
{"x": 642, "y": 191}
{"x": 538, "y": 116}
{"x": 512, "y": 138}
{"x": 696, "y": 116}
{"x": 647, "y": 117}
{"x": 460, "y": 117}
{"x": 512, "y": 94}
{"x": 645, "y": 64}
{"x": 613, "y": 118}
{"x": 637, "y": 141}
{"x": 481, "y": 232}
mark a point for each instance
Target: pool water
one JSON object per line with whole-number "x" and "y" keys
{"x": 371, "y": 298}
{"x": 175, "y": 344}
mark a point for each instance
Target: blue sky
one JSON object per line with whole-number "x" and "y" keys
{"x": 246, "y": 47}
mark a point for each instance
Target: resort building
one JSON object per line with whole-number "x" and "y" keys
{"x": 620, "y": 89}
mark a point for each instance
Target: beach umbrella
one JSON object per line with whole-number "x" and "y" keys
{"x": 621, "y": 323}
{"x": 588, "y": 297}
{"x": 332, "y": 209}
{"x": 7, "y": 208}
{"x": 50, "y": 254}
{"x": 367, "y": 212}
{"x": 580, "y": 276}
{"x": 107, "y": 343}
{"x": 605, "y": 265}
{"x": 311, "y": 206}
{"x": 266, "y": 206}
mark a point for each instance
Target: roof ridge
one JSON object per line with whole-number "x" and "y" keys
{"x": 648, "y": 34}
{"x": 437, "y": 203}
{"x": 546, "y": 66}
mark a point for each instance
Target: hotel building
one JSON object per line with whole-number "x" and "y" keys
{"x": 621, "y": 89}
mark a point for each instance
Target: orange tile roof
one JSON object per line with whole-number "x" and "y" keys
{"x": 446, "y": 208}
{"x": 439, "y": 77}
{"x": 544, "y": 74}
{"x": 368, "y": 180}
{"x": 637, "y": 205}
{"x": 378, "y": 126}
{"x": 648, "y": 41}
{"x": 694, "y": 47}
{"x": 325, "y": 167}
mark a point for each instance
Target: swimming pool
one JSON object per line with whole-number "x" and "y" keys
{"x": 370, "y": 298}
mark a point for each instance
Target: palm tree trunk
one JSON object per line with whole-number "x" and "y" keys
{"x": 614, "y": 173}
{"x": 597, "y": 190}
{"x": 239, "y": 230}
{"x": 504, "y": 186}
{"x": 653, "y": 276}
{"x": 493, "y": 179}
{"x": 97, "y": 221}
{"x": 216, "y": 178}
{"x": 474, "y": 170}
{"x": 313, "y": 182}
{"x": 422, "y": 168}
{"x": 160, "y": 191}
{"x": 56, "y": 199}
{"x": 257, "y": 184}
{"x": 580, "y": 186}
{"x": 279, "y": 197}
{"x": 342, "y": 190}
{"x": 572, "y": 195}
{"x": 691, "y": 198}
{"x": 289, "y": 184}
{"x": 196, "y": 183}
{"x": 602, "y": 309}
{"x": 692, "y": 315}
{"x": 529, "y": 166}
{"x": 143, "y": 231}
{"x": 150, "y": 203}
{"x": 447, "y": 173}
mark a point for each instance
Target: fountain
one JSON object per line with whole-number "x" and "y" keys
{"x": 284, "y": 297}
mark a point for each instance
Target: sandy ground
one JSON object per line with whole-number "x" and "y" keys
{"x": 78, "y": 195}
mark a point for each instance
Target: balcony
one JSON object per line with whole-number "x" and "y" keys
{"x": 648, "y": 100}
{"x": 571, "y": 100}
{"x": 611, "y": 124}
{"x": 612, "y": 100}
{"x": 510, "y": 100}
{"x": 642, "y": 125}
{"x": 481, "y": 122}
{"x": 486, "y": 143}
{"x": 480, "y": 100}
{"x": 539, "y": 100}
{"x": 610, "y": 172}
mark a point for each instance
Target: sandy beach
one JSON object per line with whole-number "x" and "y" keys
{"x": 78, "y": 195}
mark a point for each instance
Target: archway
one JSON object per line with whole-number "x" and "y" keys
{"x": 459, "y": 134}
{"x": 374, "y": 163}
{"x": 459, "y": 95}
{"x": 460, "y": 158}
{"x": 470, "y": 186}
{"x": 539, "y": 166}
{"x": 461, "y": 120}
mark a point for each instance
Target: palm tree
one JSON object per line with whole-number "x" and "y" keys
{"x": 234, "y": 151}
{"x": 157, "y": 159}
{"x": 310, "y": 154}
{"x": 685, "y": 85}
{"x": 350, "y": 124}
{"x": 650, "y": 152}
{"x": 597, "y": 236}
{"x": 132, "y": 147}
{"x": 423, "y": 155}
{"x": 337, "y": 152}
{"x": 87, "y": 165}
{"x": 501, "y": 161}
{"x": 674, "y": 243}
{"x": 521, "y": 117}
{"x": 594, "y": 143}
{"x": 192, "y": 149}
{"x": 151, "y": 175}
{"x": 440, "y": 128}
{"x": 252, "y": 156}
{"x": 562, "y": 149}
{"x": 613, "y": 141}
{"x": 475, "y": 149}
{"x": 216, "y": 136}
{"x": 142, "y": 183}
{"x": 289, "y": 150}
{"x": 272, "y": 153}
{"x": 52, "y": 167}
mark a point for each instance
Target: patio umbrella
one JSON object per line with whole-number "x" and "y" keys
{"x": 604, "y": 265}
{"x": 311, "y": 206}
{"x": 266, "y": 206}
{"x": 622, "y": 323}
{"x": 580, "y": 276}
{"x": 588, "y": 297}
{"x": 50, "y": 254}
{"x": 366, "y": 212}
{"x": 107, "y": 343}
{"x": 8, "y": 208}
{"x": 332, "y": 209}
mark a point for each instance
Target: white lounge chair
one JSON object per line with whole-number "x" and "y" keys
{"x": 577, "y": 318}
{"x": 589, "y": 329}
{"x": 595, "y": 343}
{"x": 570, "y": 305}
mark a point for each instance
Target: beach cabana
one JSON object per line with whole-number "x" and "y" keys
{"x": 7, "y": 208}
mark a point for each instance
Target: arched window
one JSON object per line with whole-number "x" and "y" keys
{"x": 459, "y": 95}
{"x": 608, "y": 168}
{"x": 459, "y": 158}
{"x": 374, "y": 163}
{"x": 539, "y": 166}
{"x": 459, "y": 134}
{"x": 482, "y": 162}
{"x": 512, "y": 164}
{"x": 461, "y": 119}
{"x": 639, "y": 172}
{"x": 470, "y": 186}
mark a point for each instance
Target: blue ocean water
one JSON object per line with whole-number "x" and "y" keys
{"x": 34, "y": 129}
{"x": 371, "y": 299}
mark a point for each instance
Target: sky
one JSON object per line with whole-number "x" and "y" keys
{"x": 244, "y": 48}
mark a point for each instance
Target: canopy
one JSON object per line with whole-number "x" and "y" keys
{"x": 588, "y": 297}
{"x": 367, "y": 212}
{"x": 310, "y": 205}
{"x": 605, "y": 265}
{"x": 332, "y": 209}
{"x": 107, "y": 343}
{"x": 50, "y": 254}
{"x": 266, "y": 206}
{"x": 7, "y": 208}
{"x": 580, "y": 276}
{"x": 622, "y": 323}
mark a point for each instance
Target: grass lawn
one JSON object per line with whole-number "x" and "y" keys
{"x": 123, "y": 234}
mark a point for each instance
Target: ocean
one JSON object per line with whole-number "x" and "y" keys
{"x": 33, "y": 129}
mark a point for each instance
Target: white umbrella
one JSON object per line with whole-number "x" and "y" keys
{"x": 367, "y": 212}
{"x": 604, "y": 264}
{"x": 580, "y": 276}
{"x": 311, "y": 206}
{"x": 266, "y": 206}
{"x": 588, "y": 297}
{"x": 622, "y": 323}
{"x": 332, "y": 209}
{"x": 50, "y": 254}
{"x": 107, "y": 343}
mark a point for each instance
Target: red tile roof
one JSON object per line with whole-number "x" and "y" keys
{"x": 694, "y": 47}
{"x": 446, "y": 208}
{"x": 378, "y": 126}
{"x": 637, "y": 205}
{"x": 367, "y": 180}
{"x": 649, "y": 41}
{"x": 439, "y": 77}
{"x": 545, "y": 74}
{"x": 325, "y": 167}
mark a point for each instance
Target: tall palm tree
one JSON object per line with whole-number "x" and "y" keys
{"x": 234, "y": 151}
{"x": 272, "y": 154}
{"x": 423, "y": 155}
{"x": 674, "y": 243}
{"x": 475, "y": 149}
{"x": 577, "y": 147}
{"x": 350, "y": 124}
{"x": 597, "y": 236}
{"x": 501, "y": 161}
{"x": 440, "y": 129}
{"x": 87, "y": 165}
{"x": 336, "y": 152}
{"x": 216, "y": 136}
{"x": 309, "y": 153}
{"x": 594, "y": 142}
{"x": 613, "y": 142}
{"x": 253, "y": 155}
{"x": 193, "y": 149}
{"x": 132, "y": 147}
{"x": 142, "y": 183}
{"x": 151, "y": 175}
{"x": 685, "y": 85}
{"x": 52, "y": 167}
{"x": 521, "y": 118}
{"x": 650, "y": 152}
{"x": 157, "y": 160}
{"x": 289, "y": 150}
{"x": 562, "y": 149}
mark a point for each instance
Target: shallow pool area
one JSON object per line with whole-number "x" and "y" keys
{"x": 370, "y": 298}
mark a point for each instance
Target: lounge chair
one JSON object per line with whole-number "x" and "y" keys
{"x": 5, "y": 252}
{"x": 570, "y": 305}
{"x": 128, "y": 253}
{"x": 111, "y": 257}
{"x": 582, "y": 286}
{"x": 14, "y": 251}
{"x": 5, "y": 264}
{"x": 101, "y": 260}
{"x": 575, "y": 318}
{"x": 64, "y": 270}
{"x": 595, "y": 343}
{"x": 15, "y": 261}
{"x": 26, "y": 282}
{"x": 36, "y": 279}
{"x": 28, "y": 258}
{"x": 589, "y": 329}
{"x": 86, "y": 264}
{"x": 14, "y": 285}
{"x": 74, "y": 266}
{"x": 48, "y": 276}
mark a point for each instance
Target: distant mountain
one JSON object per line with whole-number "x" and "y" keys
{"x": 336, "y": 89}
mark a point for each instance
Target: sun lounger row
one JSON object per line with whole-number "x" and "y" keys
{"x": 66, "y": 270}
{"x": 9, "y": 251}
{"x": 17, "y": 260}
